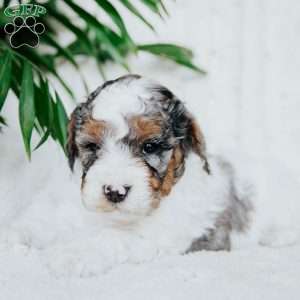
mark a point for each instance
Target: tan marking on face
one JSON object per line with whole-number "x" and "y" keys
{"x": 155, "y": 185}
{"x": 145, "y": 128}
{"x": 170, "y": 179}
{"x": 178, "y": 158}
{"x": 163, "y": 187}
{"x": 94, "y": 129}
{"x": 154, "y": 182}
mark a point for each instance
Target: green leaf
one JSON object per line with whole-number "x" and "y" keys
{"x": 180, "y": 55}
{"x": 40, "y": 109}
{"x": 6, "y": 3}
{"x": 38, "y": 127}
{"x": 80, "y": 35}
{"x": 100, "y": 30}
{"x": 48, "y": 103}
{"x": 42, "y": 140}
{"x": 77, "y": 48}
{"x": 45, "y": 112}
{"x": 2, "y": 121}
{"x": 40, "y": 62}
{"x": 26, "y": 106}
{"x": 114, "y": 15}
{"x": 163, "y": 7}
{"x": 61, "y": 122}
{"x": 5, "y": 76}
{"x": 60, "y": 50}
{"x": 134, "y": 11}
{"x": 44, "y": 104}
{"x": 154, "y": 5}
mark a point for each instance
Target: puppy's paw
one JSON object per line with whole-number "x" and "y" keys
{"x": 72, "y": 263}
{"x": 84, "y": 259}
{"x": 15, "y": 240}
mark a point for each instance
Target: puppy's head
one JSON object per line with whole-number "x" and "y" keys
{"x": 132, "y": 137}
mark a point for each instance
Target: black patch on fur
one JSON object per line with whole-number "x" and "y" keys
{"x": 179, "y": 120}
{"x": 166, "y": 94}
{"x": 217, "y": 239}
{"x": 78, "y": 117}
{"x": 181, "y": 123}
{"x": 92, "y": 157}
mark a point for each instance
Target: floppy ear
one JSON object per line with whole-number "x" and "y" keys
{"x": 72, "y": 150}
{"x": 187, "y": 129}
{"x": 78, "y": 117}
{"x": 197, "y": 142}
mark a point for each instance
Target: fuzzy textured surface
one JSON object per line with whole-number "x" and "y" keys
{"x": 248, "y": 100}
{"x": 50, "y": 246}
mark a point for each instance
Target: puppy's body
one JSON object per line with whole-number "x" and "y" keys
{"x": 146, "y": 172}
{"x": 145, "y": 168}
{"x": 200, "y": 212}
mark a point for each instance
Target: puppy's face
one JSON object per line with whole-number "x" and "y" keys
{"x": 132, "y": 137}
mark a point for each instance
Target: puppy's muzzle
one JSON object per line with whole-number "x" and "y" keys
{"x": 116, "y": 194}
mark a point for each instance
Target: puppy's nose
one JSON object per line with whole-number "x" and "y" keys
{"x": 116, "y": 194}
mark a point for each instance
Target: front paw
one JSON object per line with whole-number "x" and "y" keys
{"x": 85, "y": 258}
{"x": 75, "y": 261}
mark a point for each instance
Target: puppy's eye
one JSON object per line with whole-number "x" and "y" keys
{"x": 150, "y": 148}
{"x": 93, "y": 147}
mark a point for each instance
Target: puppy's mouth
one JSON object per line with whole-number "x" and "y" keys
{"x": 108, "y": 207}
{"x": 120, "y": 209}
{"x": 116, "y": 214}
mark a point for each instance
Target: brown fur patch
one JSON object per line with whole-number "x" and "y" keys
{"x": 71, "y": 147}
{"x": 168, "y": 180}
{"x": 145, "y": 128}
{"x": 94, "y": 129}
{"x": 198, "y": 143}
{"x": 163, "y": 187}
{"x": 170, "y": 177}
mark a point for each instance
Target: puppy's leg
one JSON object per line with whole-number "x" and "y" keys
{"x": 235, "y": 217}
{"x": 215, "y": 240}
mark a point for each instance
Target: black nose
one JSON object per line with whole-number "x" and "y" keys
{"x": 116, "y": 195}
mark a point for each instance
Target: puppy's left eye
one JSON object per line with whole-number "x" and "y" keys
{"x": 150, "y": 148}
{"x": 93, "y": 147}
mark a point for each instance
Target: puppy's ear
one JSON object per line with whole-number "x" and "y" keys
{"x": 188, "y": 131}
{"x": 197, "y": 142}
{"x": 78, "y": 117}
{"x": 72, "y": 150}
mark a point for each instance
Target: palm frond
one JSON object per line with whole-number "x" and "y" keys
{"x": 24, "y": 70}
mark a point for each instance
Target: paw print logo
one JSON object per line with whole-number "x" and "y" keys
{"x": 24, "y": 32}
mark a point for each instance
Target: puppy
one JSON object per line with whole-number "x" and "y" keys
{"x": 145, "y": 167}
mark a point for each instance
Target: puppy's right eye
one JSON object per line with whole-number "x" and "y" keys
{"x": 150, "y": 148}
{"x": 92, "y": 147}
